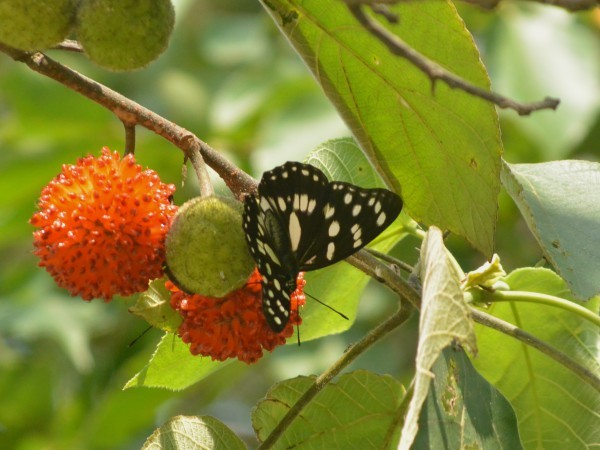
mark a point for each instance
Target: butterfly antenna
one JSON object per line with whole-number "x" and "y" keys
{"x": 328, "y": 306}
{"x": 132, "y": 343}
{"x": 298, "y": 333}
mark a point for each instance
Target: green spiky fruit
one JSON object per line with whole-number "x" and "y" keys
{"x": 206, "y": 250}
{"x": 123, "y": 35}
{"x": 35, "y": 24}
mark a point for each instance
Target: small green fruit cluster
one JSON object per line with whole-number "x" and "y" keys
{"x": 206, "y": 250}
{"x": 35, "y": 24}
{"x": 123, "y": 35}
{"x": 118, "y": 35}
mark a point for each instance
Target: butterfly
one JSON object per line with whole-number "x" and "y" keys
{"x": 300, "y": 221}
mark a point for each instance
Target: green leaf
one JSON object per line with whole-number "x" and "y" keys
{"x": 173, "y": 367}
{"x": 438, "y": 146}
{"x": 341, "y": 285}
{"x": 464, "y": 411}
{"x": 193, "y": 432}
{"x": 444, "y": 320}
{"x": 561, "y": 205}
{"x": 359, "y": 411}
{"x": 154, "y": 306}
{"x": 555, "y": 408}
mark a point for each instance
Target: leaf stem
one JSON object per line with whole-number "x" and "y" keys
{"x": 206, "y": 187}
{"x": 131, "y": 112}
{"x": 129, "y": 137}
{"x": 535, "y": 297}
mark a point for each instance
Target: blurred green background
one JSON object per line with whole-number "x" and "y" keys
{"x": 229, "y": 77}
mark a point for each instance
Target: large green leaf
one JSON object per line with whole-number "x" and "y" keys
{"x": 190, "y": 432}
{"x": 444, "y": 320}
{"x": 359, "y": 411}
{"x": 439, "y": 147}
{"x": 341, "y": 285}
{"x": 560, "y": 202}
{"x": 555, "y": 408}
{"x": 464, "y": 411}
{"x": 172, "y": 366}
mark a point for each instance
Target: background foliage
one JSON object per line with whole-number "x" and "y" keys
{"x": 232, "y": 79}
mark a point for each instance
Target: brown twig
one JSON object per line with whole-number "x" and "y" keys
{"x": 129, "y": 111}
{"x": 129, "y": 137}
{"x": 436, "y": 72}
{"x": 569, "y": 5}
{"x": 194, "y": 155}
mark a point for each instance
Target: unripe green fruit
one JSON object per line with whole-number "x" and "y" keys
{"x": 124, "y": 35}
{"x": 35, "y": 24}
{"x": 206, "y": 250}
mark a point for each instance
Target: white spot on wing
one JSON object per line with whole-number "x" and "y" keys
{"x": 295, "y": 231}
{"x": 272, "y": 255}
{"x": 357, "y": 243}
{"x": 303, "y": 202}
{"x": 330, "y": 251}
{"x": 264, "y": 204}
{"x": 329, "y": 211}
{"x": 377, "y": 207}
{"x": 311, "y": 206}
{"x": 281, "y": 203}
{"x": 347, "y": 199}
{"x": 356, "y": 210}
{"x": 381, "y": 219}
{"x": 334, "y": 228}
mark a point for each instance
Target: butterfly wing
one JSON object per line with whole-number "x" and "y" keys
{"x": 325, "y": 221}
{"x": 296, "y": 194}
{"x": 267, "y": 242}
{"x": 352, "y": 217}
{"x": 301, "y": 221}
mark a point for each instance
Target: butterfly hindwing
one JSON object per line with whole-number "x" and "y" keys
{"x": 268, "y": 243}
{"x": 300, "y": 221}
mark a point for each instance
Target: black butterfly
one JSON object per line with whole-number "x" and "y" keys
{"x": 301, "y": 221}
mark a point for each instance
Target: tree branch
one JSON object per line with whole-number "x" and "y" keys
{"x": 569, "y": 5}
{"x": 130, "y": 112}
{"x": 436, "y": 72}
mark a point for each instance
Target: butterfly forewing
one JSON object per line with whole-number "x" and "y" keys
{"x": 352, "y": 217}
{"x": 301, "y": 221}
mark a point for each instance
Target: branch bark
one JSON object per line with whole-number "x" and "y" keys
{"x": 131, "y": 112}
{"x": 436, "y": 72}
